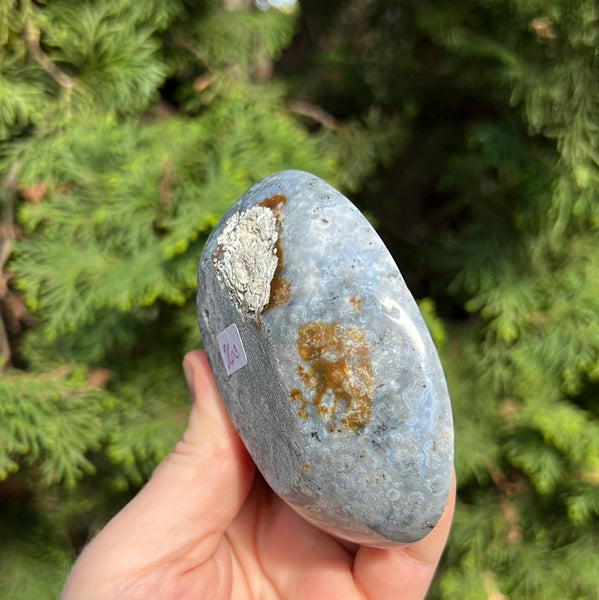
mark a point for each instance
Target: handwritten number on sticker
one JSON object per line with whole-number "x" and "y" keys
{"x": 231, "y": 352}
{"x": 231, "y": 349}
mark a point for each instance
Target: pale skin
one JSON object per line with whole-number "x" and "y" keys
{"x": 206, "y": 526}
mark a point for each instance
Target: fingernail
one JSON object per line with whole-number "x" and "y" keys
{"x": 188, "y": 371}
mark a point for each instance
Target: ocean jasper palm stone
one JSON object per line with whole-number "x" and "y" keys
{"x": 324, "y": 362}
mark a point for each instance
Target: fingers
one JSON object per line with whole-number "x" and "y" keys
{"x": 194, "y": 494}
{"x": 206, "y": 478}
{"x": 209, "y": 472}
{"x": 404, "y": 572}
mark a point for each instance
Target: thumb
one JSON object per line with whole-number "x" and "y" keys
{"x": 192, "y": 497}
{"x": 208, "y": 474}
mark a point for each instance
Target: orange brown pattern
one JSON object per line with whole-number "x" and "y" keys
{"x": 280, "y": 288}
{"x": 338, "y": 362}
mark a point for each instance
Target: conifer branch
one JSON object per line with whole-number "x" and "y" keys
{"x": 32, "y": 37}
{"x": 316, "y": 113}
{"x": 7, "y": 233}
{"x": 233, "y": 5}
{"x": 194, "y": 50}
{"x": 4, "y": 344}
{"x": 7, "y": 240}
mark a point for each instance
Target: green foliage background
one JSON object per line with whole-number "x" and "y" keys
{"x": 466, "y": 131}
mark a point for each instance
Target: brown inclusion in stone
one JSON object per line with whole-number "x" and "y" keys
{"x": 275, "y": 203}
{"x": 279, "y": 286}
{"x": 339, "y": 371}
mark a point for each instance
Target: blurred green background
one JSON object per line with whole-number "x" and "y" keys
{"x": 468, "y": 132}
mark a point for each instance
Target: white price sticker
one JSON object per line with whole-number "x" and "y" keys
{"x": 231, "y": 349}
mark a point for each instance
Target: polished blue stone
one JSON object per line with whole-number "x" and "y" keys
{"x": 324, "y": 362}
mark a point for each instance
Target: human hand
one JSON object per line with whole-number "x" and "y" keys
{"x": 206, "y": 525}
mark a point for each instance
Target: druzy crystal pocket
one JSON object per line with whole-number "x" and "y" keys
{"x": 324, "y": 362}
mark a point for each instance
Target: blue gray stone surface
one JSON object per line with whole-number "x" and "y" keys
{"x": 324, "y": 362}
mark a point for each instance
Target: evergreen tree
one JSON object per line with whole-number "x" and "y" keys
{"x": 490, "y": 205}
{"x": 126, "y": 128}
{"x": 466, "y": 131}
